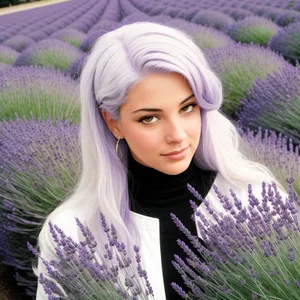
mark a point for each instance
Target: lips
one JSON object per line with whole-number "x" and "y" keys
{"x": 176, "y": 152}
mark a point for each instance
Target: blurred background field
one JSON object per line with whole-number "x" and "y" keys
{"x": 253, "y": 46}
{"x": 12, "y": 6}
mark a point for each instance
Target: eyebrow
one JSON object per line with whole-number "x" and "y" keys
{"x": 157, "y": 109}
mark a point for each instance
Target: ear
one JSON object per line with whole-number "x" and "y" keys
{"x": 112, "y": 124}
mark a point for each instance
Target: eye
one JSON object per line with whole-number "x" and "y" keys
{"x": 149, "y": 117}
{"x": 191, "y": 104}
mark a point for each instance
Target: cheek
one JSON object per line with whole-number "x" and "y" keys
{"x": 194, "y": 127}
{"x": 198, "y": 127}
{"x": 143, "y": 139}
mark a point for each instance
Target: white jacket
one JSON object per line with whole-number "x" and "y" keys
{"x": 149, "y": 232}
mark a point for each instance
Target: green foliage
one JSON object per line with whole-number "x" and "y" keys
{"x": 237, "y": 81}
{"x": 38, "y": 92}
{"x": 257, "y": 35}
{"x": 39, "y": 103}
{"x": 48, "y": 58}
{"x": 41, "y": 173}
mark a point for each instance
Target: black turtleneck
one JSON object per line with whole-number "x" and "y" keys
{"x": 156, "y": 194}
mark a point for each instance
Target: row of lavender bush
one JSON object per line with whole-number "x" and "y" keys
{"x": 39, "y": 127}
{"x": 208, "y": 15}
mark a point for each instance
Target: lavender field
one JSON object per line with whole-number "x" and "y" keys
{"x": 253, "y": 46}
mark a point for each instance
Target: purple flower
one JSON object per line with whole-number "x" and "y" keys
{"x": 287, "y": 17}
{"x": 4, "y": 66}
{"x": 287, "y": 42}
{"x": 292, "y": 254}
{"x": 213, "y": 19}
{"x": 253, "y": 29}
{"x": 82, "y": 270}
{"x": 187, "y": 14}
{"x": 172, "y": 11}
{"x": 237, "y": 13}
{"x": 97, "y": 31}
{"x": 32, "y": 154}
{"x": 265, "y": 11}
{"x": 204, "y": 37}
{"x": 248, "y": 252}
{"x": 18, "y": 42}
{"x": 138, "y": 16}
{"x": 142, "y": 273}
{"x": 75, "y": 68}
{"x": 71, "y": 36}
{"x": 273, "y": 103}
{"x": 128, "y": 8}
{"x": 82, "y": 25}
{"x": 276, "y": 152}
{"x": 51, "y": 28}
{"x": 51, "y": 53}
{"x": 272, "y": 13}
{"x": 37, "y": 35}
{"x": 238, "y": 66}
{"x": 26, "y": 90}
{"x": 8, "y": 55}
{"x": 296, "y": 6}
{"x": 179, "y": 290}
{"x": 8, "y": 33}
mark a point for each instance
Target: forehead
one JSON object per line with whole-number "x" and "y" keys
{"x": 158, "y": 86}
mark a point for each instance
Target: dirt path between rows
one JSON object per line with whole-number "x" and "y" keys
{"x": 20, "y": 7}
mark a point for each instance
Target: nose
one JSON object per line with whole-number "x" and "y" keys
{"x": 175, "y": 132}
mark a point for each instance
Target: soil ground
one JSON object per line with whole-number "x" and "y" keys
{"x": 20, "y": 7}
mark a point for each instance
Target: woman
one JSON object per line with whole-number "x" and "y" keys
{"x": 147, "y": 91}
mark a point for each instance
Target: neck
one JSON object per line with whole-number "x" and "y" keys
{"x": 150, "y": 187}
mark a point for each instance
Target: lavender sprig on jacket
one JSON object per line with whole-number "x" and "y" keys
{"x": 251, "y": 251}
{"x": 81, "y": 271}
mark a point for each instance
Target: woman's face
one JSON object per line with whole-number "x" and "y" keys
{"x": 151, "y": 134}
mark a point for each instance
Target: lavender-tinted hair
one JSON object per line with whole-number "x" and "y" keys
{"x": 119, "y": 60}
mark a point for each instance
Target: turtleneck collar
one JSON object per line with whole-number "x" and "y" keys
{"x": 150, "y": 187}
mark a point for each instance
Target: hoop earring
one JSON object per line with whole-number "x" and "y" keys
{"x": 117, "y": 148}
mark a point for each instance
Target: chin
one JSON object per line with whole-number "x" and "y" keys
{"x": 176, "y": 167}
